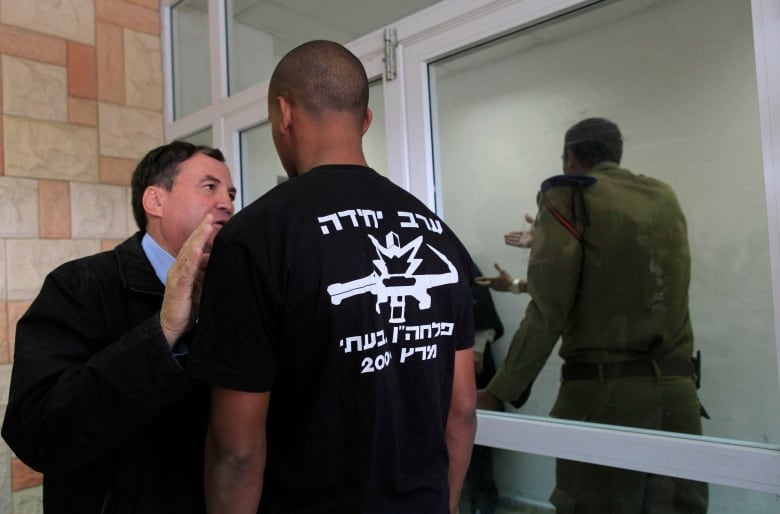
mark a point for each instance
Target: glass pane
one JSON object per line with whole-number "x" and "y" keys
{"x": 190, "y": 57}
{"x": 260, "y": 32}
{"x": 374, "y": 141}
{"x": 202, "y": 138}
{"x": 687, "y": 107}
{"x": 261, "y": 169}
{"x": 518, "y": 483}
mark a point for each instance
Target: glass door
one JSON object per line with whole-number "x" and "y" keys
{"x": 499, "y": 91}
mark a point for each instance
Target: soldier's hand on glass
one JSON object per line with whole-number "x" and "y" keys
{"x": 521, "y": 238}
{"x": 500, "y": 282}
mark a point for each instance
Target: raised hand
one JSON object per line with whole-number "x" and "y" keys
{"x": 185, "y": 281}
{"x": 521, "y": 238}
{"x": 500, "y": 282}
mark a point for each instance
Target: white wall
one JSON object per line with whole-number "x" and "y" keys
{"x": 678, "y": 77}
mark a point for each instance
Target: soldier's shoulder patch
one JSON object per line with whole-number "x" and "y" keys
{"x": 578, "y": 181}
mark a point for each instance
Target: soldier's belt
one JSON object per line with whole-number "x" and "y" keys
{"x": 677, "y": 367}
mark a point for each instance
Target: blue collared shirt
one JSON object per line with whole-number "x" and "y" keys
{"x": 161, "y": 262}
{"x": 160, "y": 259}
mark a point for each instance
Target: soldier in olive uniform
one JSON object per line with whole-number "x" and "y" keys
{"x": 608, "y": 273}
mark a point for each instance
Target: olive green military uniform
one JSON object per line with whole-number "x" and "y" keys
{"x": 608, "y": 273}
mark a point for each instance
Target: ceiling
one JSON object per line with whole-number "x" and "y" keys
{"x": 292, "y": 22}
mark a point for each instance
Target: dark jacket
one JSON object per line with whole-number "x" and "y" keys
{"x": 98, "y": 403}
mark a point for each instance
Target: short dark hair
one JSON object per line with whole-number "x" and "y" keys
{"x": 322, "y": 76}
{"x": 594, "y": 140}
{"x": 160, "y": 167}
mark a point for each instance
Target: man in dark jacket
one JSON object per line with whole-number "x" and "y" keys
{"x": 99, "y": 401}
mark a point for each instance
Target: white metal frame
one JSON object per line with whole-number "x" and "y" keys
{"x": 766, "y": 34}
{"x": 441, "y": 30}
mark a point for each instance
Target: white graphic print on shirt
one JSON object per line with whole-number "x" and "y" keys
{"x": 394, "y": 281}
{"x": 395, "y": 287}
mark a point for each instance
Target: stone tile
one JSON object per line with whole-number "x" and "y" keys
{"x": 18, "y": 207}
{"x": 109, "y": 244}
{"x": 128, "y": 132}
{"x": 28, "y": 501}
{"x": 23, "y": 477}
{"x": 5, "y": 343}
{"x": 32, "y": 45}
{"x": 97, "y": 211}
{"x": 127, "y": 14}
{"x": 16, "y": 310}
{"x": 3, "y": 273}
{"x": 74, "y": 19}
{"x": 110, "y": 63}
{"x": 2, "y": 157}
{"x": 114, "y": 170}
{"x": 1, "y": 95}
{"x": 151, "y": 4}
{"x": 54, "y": 209}
{"x": 143, "y": 70}
{"x": 5, "y": 382}
{"x": 132, "y": 226}
{"x": 82, "y": 71}
{"x": 43, "y": 149}
{"x": 33, "y": 259}
{"x": 48, "y": 100}
{"x": 6, "y": 505}
{"x": 82, "y": 112}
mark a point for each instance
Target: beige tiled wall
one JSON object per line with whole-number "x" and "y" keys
{"x": 81, "y": 96}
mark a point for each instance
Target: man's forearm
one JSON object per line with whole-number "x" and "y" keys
{"x": 461, "y": 428}
{"x": 233, "y": 485}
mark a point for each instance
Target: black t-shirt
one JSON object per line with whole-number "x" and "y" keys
{"x": 347, "y": 298}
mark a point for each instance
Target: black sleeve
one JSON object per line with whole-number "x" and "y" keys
{"x": 234, "y": 345}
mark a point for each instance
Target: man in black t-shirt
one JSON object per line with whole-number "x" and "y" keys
{"x": 336, "y": 324}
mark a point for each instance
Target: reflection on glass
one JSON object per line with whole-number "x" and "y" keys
{"x": 260, "y": 32}
{"x": 687, "y": 107}
{"x": 690, "y": 126}
{"x": 524, "y": 483}
{"x": 260, "y": 166}
{"x": 202, "y": 138}
{"x": 374, "y": 141}
{"x": 190, "y": 57}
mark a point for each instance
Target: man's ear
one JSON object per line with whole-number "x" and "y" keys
{"x": 152, "y": 201}
{"x": 285, "y": 114}
{"x": 367, "y": 120}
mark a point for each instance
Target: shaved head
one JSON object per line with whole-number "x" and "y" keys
{"x": 322, "y": 77}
